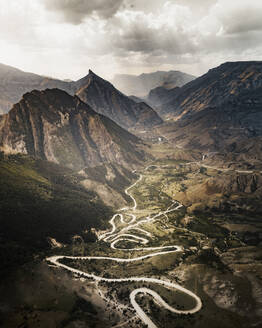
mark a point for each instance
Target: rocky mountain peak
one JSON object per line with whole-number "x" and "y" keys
{"x": 105, "y": 99}
{"x": 54, "y": 99}
{"x": 92, "y": 74}
{"x": 14, "y": 83}
{"x": 90, "y": 79}
{"x": 48, "y": 94}
{"x": 61, "y": 128}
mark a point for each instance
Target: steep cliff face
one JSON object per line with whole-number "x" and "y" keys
{"x": 222, "y": 110}
{"x": 55, "y": 126}
{"x": 105, "y": 99}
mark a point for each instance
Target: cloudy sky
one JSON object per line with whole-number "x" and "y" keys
{"x": 64, "y": 38}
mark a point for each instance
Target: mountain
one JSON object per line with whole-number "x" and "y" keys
{"x": 41, "y": 200}
{"x": 14, "y": 83}
{"x": 105, "y": 99}
{"x": 100, "y": 94}
{"x": 141, "y": 85}
{"x": 109, "y": 182}
{"x": 159, "y": 96}
{"x": 221, "y": 110}
{"x": 55, "y": 126}
{"x": 136, "y": 99}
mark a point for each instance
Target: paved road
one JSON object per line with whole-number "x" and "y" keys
{"x": 114, "y": 236}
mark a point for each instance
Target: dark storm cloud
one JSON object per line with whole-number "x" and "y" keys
{"x": 75, "y": 11}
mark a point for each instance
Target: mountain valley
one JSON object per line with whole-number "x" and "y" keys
{"x": 118, "y": 214}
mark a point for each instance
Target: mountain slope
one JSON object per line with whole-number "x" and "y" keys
{"x": 105, "y": 99}
{"x": 222, "y": 110}
{"x": 159, "y": 96}
{"x": 38, "y": 200}
{"x": 109, "y": 182}
{"x": 55, "y": 126}
{"x": 141, "y": 85}
{"x": 223, "y": 84}
{"x": 14, "y": 83}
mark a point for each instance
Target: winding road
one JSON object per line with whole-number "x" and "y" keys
{"x": 123, "y": 234}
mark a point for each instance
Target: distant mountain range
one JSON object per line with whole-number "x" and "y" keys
{"x": 217, "y": 112}
{"x": 95, "y": 91}
{"x": 14, "y": 83}
{"x": 141, "y": 85}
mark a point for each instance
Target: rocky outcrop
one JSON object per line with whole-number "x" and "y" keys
{"x": 55, "y": 126}
{"x": 105, "y": 99}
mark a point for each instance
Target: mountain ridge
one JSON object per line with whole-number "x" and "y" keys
{"x": 105, "y": 99}
{"x": 58, "y": 127}
{"x": 109, "y": 101}
{"x": 220, "y": 111}
{"x": 15, "y": 82}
